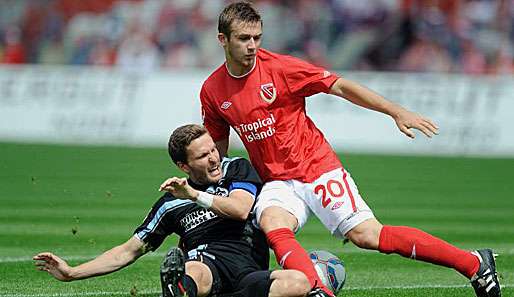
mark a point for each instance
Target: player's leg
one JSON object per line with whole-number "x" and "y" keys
{"x": 336, "y": 201}
{"x": 179, "y": 278}
{"x": 198, "y": 279}
{"x": 366, "y": 235}
{"x": 409, "y": 242}
{"x": 279, "y": 213}
{"x": 289, "y": 283}
{"x": 416, "y": 244}
{"x": 413, "y": 243}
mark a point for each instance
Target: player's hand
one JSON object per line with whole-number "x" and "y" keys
{"x": 408, "y": 120}
{"x": 179, "y": 188}
{"x": 54, "y": 265}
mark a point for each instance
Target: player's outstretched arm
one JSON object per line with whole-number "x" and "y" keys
{"x": 110, "y": 261}
{"x": 405, "y": 119}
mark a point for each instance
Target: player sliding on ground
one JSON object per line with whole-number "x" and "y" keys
{"x": 261, "y": 95}
{"x": 211, "y": 213}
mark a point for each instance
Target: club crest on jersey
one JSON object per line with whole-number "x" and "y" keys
{"x": 268, "y": 92}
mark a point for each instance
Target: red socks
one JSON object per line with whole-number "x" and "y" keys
{"x": 416, "y": 244}
{"x": 291, "y": 255}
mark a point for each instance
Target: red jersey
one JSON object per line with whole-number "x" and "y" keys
{"x": 266, "y": 107}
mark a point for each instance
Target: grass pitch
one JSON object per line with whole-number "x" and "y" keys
{"x": 80, "y": 201}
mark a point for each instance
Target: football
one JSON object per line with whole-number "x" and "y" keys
{"x": 330, "y": 269}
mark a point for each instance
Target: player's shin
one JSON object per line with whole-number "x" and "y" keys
{"x": 290, "y": 255}
{"x": 189, "y": 286}
{"x": 416, "y": 244}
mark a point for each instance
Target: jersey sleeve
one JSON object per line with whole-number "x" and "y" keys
{"x": 242, "y": 176}
{"x": 305, "y": 79}
{"x": 160, "y": 222}
{"x": 217, "y": 126}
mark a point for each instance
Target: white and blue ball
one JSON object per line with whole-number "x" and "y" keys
{"x": 330, "y": 269}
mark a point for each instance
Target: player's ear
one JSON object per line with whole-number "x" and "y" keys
{"x": 222, "y": 38}
{"x": 184, "y": 167}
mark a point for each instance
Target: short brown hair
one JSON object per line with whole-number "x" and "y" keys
{"x": 180, "y": 140}
{"x": 242, "y": 11}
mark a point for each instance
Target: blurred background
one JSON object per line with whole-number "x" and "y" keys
{"x": 457, "y": 36}
{"x": 127, "y": 72}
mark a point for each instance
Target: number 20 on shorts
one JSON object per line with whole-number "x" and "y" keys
{"x": 333, "y": 189}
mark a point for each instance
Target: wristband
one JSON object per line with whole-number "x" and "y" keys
{"x": 204, "y": 199}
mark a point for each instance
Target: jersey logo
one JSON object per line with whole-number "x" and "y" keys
{"x": 268, "y": 92}
{"x": 413, "y": 253}
{"x": 337, "y": 205}
{"x": 221, "y": 192}
{"x": 226, "y": 105}
{"x": 284, "y": 257}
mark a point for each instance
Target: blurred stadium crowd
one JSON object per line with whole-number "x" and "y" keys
{"x": 465, "y": 36}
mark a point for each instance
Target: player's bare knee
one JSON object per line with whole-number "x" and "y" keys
{"x": 290, "y": 283}
{"x": 201, "y": 275}
{"x": 275, "y": 217}
{"x": 365, "y": 241}
{"x": 298, "y": 283}
{"x": 366, "y": 235}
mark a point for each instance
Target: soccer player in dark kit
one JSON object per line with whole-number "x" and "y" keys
{"x": 221, "y": 251}
{"x": 261, "y": 95}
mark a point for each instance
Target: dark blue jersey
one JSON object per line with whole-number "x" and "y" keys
{"x": 232, "y": 240}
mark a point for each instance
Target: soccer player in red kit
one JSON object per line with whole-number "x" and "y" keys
{"x": 261, "y": 95}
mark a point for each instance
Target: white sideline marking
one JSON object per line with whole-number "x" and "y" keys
{"x": 157, "y": 292}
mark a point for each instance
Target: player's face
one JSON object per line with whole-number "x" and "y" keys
{"x": 203, "y": 161}
{"x": 241, "y": 48}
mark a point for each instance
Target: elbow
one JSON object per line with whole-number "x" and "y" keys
{"x": 243, "y": 216}
{"x": 239, "y": 215}
{"x": 244, "y": 212}
{"x": 338, "y": 88}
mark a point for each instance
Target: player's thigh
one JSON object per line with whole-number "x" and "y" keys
{"x": 282, "y": 196}
{"x": 336, "y": 201}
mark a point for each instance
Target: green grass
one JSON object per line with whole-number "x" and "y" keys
{"x": 80, "y": 201}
